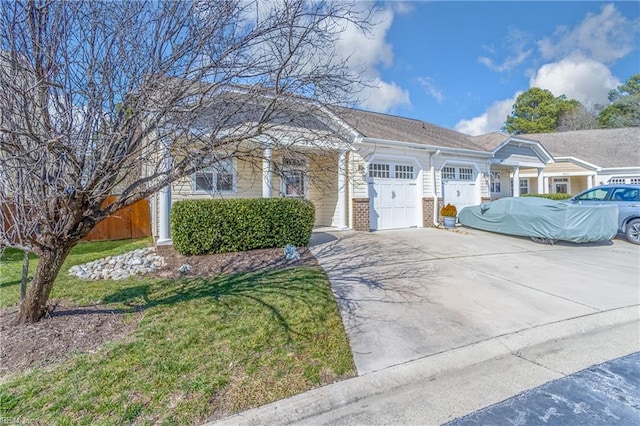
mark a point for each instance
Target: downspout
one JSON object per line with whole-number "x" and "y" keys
{"x": 435, "y": 189}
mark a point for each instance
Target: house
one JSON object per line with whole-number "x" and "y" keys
{"x": 370, "y": 171}
{"x": 581, "y": 159}
{"x": 585, "y": 158}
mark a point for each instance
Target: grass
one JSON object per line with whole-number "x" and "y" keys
{"x": 203, "y": 349}
{"x": 82, "y": 292}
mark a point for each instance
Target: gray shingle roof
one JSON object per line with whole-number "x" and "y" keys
{"x": 602, "y": 147}
{"x": 490, "y": 141}
{"x": 394, "y": 128}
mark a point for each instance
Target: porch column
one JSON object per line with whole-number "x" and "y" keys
{"x": 541, "y": 181}
{"x": 267, "y": 174}
{"x": 164, "y": 201}
{"x": 546, "y": 185}
{"x": 590, "y": 179}
{"x": 342, "y": 190}
{"x": 516, "y": 181}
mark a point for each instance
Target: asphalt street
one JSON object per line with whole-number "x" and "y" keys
{"x": 605, "y": 394}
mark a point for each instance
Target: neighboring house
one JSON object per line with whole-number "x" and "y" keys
{"x": 512, "y": 156}
{"x": 585, "y": 158}
{"x": 377, "y": 171}
{"x": 581, "y": 159}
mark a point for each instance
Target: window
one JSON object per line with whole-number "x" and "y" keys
{"x": 296, "y": 163}
{"x": 625, "y": 194}
{"x": 561, "y": 185}
{"x": 594, "y": 195}
{"x": 217, "y": 178}
{"x": 524, "y": 186}
{"x": 457, "y": 173}
{"x": 293, "y": 171}
{"x": 465, "y": 173}
{"x": 617, "y": 180}
{"x": 377, "y": 170}
{"x": 449, "y": 173}
{"x": 496, "y": 185}
{"x": 634, "y": 181}
{"x": 404, "y": 171}
{"x": 294, "y": 183}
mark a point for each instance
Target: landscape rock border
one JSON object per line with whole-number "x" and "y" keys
{"x": 140, "y": 261}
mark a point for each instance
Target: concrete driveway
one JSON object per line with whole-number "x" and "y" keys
{"x": 412, "y": 293}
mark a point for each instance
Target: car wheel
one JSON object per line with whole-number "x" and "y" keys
{"x": 541, "y": 240}
{"x": 633, "y": 231}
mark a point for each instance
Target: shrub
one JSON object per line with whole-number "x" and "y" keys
{"x": 449, "y": 211}
{"x": 221, "y": 226}
{"x": 549, "y": 196}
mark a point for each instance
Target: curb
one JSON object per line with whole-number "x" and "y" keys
{"x": 327, "y": 398}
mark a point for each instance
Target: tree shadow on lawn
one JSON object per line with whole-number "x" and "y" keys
{"x": 266, "y": 289}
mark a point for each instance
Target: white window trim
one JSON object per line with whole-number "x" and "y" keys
{"x": 302, "y": 168}
{"x": 391, "y": 166}
{"x": 527, "y": 186}
{"x": 456, "y": 171}
{"x": 560, "y": 180}
{"x": 214, "y": 170}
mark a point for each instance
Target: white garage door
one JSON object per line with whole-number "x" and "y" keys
{"x": 459, "y": 186}
{"x": 393, "y": 192}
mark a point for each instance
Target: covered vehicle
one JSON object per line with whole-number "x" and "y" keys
{"x": 543, "y": 220}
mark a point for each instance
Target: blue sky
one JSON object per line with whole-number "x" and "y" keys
{"x": 461, "y": 65}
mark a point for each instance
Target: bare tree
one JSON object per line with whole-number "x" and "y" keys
{"x": 96, "y": 96}
{"x": 579, "y": 118}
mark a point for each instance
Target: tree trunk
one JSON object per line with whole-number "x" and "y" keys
{"x": 25, "y": 275}
{"x": 34, "y": 306}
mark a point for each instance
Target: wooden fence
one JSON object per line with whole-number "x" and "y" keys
{"x": 130, "y": 222}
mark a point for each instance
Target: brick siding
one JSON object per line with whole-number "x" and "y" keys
{"x": 360, "y": 209}
{"x": 427, "y": 211}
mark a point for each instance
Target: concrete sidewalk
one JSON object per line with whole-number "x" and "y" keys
{"x": 448, "y": 385}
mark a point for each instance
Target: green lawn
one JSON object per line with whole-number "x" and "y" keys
{"x": 204, "y": 348}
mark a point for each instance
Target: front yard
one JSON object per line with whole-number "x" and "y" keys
{"x": 182, "y": 351}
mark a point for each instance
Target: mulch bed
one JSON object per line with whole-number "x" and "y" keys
{"x": 69, "y": 328}
{"x": 230, "y": 263}
{"x": 65, "y": 330}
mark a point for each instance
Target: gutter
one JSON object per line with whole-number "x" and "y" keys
{"x": 420, "y": 146}
{"x": 435, "y": 191}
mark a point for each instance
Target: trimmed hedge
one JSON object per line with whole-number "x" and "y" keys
{"x": 549, "y": 196}
{"x": 222, "y": 226}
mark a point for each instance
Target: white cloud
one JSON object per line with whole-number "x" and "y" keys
{"x": 368, "y": 48}
{"x": 429, "y": 86}
{"x": 576, "y": 65}
{"x": 490, "y": 121}
{"x": 382, "y": 96}
{"x": 516, "y": 43}
{"x": 369, "y": 51}
{"x": 584, "y": 79}
{"x": 604, "y": 37}
{"x": 402, "y": 7}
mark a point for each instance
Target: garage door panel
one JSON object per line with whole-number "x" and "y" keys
{"x": 394, "y": 201}
{"x": 460, "y": 194}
